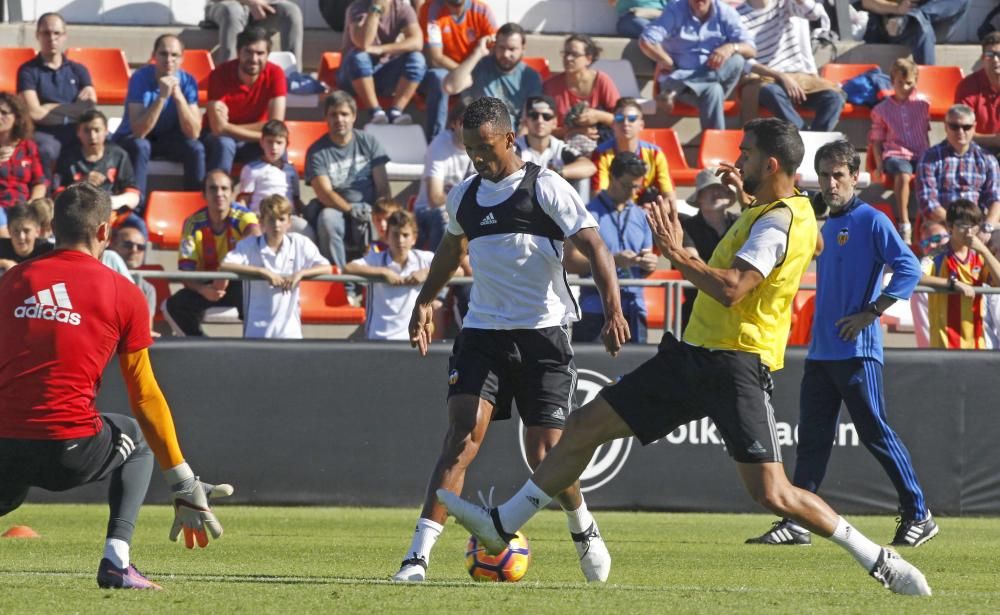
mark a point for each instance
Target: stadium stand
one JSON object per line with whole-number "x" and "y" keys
{"x": 108, "y": 69}
{"x": 839, "y": 73}
{"x": 162, "y": 287}
{"x": 540, "y": 64}
{"x": 325, "y": 303}
{"x": 405, "y": 145}
{"x": 938, "y": 84}
{"x": 666, "y": 139}
{"x": 199, "y": 63}
{"x": 10, "y": 59}
{"x": 718, "y": 146}
{"x": 165, "y": 215}
{"x": 300, "y": 136}
{"x": 329, "y": 64}
{"x": 656, "y": 304}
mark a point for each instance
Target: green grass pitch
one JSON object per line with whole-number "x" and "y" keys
{"x": 323, "y": 560}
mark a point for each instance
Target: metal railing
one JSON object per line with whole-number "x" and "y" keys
{"x": 673, "y": 289}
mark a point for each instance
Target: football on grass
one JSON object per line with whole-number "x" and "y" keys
{"x": 509, "y": 566}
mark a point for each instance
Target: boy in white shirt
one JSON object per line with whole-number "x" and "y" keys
{"x": 402, "y": 271}
{"x": 282, "y": 260}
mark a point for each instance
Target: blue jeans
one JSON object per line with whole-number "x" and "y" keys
{"x": 918, "y": 34}
{"x": 175, "y": 147}
{"x": 707, "y": 89}
{"x": 51, "y": 140}
{"x": 432, "y": 87}
{"x": 631, "y": 26}
{"x": 221, "y": 152}
{"x": 358, "y": 65}
{"x": 826, "y": 103}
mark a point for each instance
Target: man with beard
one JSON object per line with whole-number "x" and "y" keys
{"x": 722, "y": 367}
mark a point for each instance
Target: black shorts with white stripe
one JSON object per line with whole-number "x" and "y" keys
{"x": 684, "y": 383}
{"x": 58, "y": 465}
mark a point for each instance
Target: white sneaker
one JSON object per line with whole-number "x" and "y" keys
{"x": 476, "y": 519}
{"x": 379, "y": 118}
{"x": 899, "y": 575}
{"x": 595, "y": 561}
{"x": 413, "y": 570}
{"x": 400, "y": 119}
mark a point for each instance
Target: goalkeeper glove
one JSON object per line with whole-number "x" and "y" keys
{"x": 191, "y": 510}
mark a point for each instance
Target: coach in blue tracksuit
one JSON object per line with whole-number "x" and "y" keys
{"x": 844, "y": 362}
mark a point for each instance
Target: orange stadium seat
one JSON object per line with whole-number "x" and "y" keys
{"x": 165, "y": 215}
{"x": 938, "y": 84}
{"x": 540, "y": 64}
{"x": 199, "y": 63}
{"x": 300, "y": 136}
{"x": 887, "y": 209}
{"x": 329, "y": 64}
{"x": 803, "y": 307}
{"x": 666, "y": 139}
{"x": 162, "y": 287}
{"x": 108, "y": 70}
{"x": 718, "y": 146}
{"x": 839, "y": 73}
{"x": 326, "y": 303}
{"x": 656, "y": 303}
{"x": 11, "y": 58}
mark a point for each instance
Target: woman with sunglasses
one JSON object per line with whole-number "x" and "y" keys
{"x": 22, "y": 177}
{"x": 579, "y": 83}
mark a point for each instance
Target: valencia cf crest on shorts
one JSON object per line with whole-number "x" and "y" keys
{"x": 842, "y": 237}
{"x": 453, "y": 377}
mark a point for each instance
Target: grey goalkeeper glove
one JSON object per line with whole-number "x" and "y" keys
{"x": 191, "y": 510}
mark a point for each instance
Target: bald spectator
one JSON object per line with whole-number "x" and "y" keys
{"x": 233, "y": 17}
{"x": 243, "y": 94}
{"x": 957, "y": 168}
{"x": 382, "y": 57}
{"x": 452, "y": 29}
{"x": 980, "y": 91}
{"x": 162, "y": 120}
{"x": 495, "y": 68}
{"x": 55, "y": 89}
{"x": 700, "y": 48}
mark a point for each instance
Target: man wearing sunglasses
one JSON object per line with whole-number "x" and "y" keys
{"x": 627, "y": 128}
{"x": 538, "y": 145}
{"x": 130, "y": 244}
{"x": 981, "y": 92}
{"x": 958, "y": 168}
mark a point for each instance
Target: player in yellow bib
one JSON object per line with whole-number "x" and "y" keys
{"x": 721, "y": 369}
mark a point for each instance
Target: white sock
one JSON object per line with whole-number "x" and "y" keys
{"x": 579, "y": 520}
{"x": 117, "y": 550}
{"x": 516, "y": 511}
{"x": 863, "y": 550}
{"x": 424, "y": 537}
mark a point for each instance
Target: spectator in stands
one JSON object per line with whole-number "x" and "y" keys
{"x": 162, "y": 119}
{"x": 537, "y": 144}
{"x": 25, "y": 223}
{"x": 346, "y": 168}
{"x": 623, "y": 227}
{"x": 991, "y": 302}
{"x": 957, "y": 168}
{"x": 445, "y": 165}
{"x": 102, "y": 164}
{"x": 271, "y": 173}
{"x": 22, "y": 177}
{"x": 911, "y": 23}
{"x": 933, "y": 240}
{"x": 980, "y": 91}
{"x": 243, "y": 94}
{"x": 381, "y": 210}
{"x": 628, "y": 126}
{"x": 700, "y": 48}
{"x": 399, "y": 272}
{"x": 635, "y": 15}
{"x": 898, "y": 136}
{"x": 956, "y": 318}
{"x": 589, "y": 93}
{"x": 452, "y": 29}
{"x": 382, "y": 57}
{"x": 129, "y": 242}
{"x": 56, "y": 90}
{"x": 784, "y": 74}
{"x": 495, "y": 68}
{"x": 233, "y": 17}
{"x": 282, "y": 261}
{"x": 704, "y": 230}
{"x": 208, "y": 235}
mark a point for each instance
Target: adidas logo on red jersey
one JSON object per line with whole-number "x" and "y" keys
{"x": 49, "y": 304}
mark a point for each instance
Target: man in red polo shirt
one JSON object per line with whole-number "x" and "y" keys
{"x": 243, "y": 94}
{"x": 981, "y": 91}
{"x": 62, "y": 316}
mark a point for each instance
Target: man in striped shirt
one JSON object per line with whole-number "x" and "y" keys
{"x": 785, "y": 64}
{"x": 958, "y": 168}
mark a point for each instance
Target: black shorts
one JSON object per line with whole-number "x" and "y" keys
{"x": 683, "y": 383}
{"x": 532, "y": 367}
{"x": 58, "y": 465}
